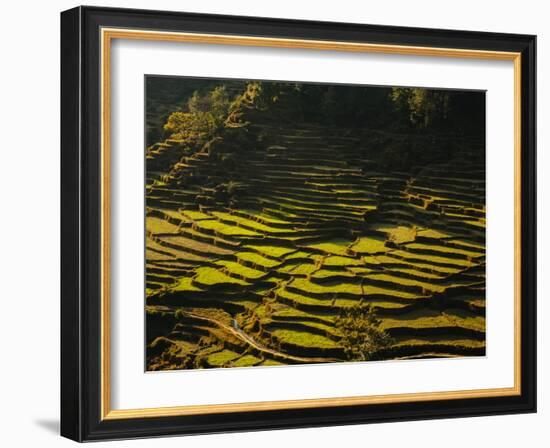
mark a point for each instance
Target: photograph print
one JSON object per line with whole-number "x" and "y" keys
{"x": 302, "y": 223}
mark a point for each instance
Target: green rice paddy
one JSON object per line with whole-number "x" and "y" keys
{"x": 262, "y": 281}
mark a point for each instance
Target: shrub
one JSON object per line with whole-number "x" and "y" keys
{"x": 362, "y": 338}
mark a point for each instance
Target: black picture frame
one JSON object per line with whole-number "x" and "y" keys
{"x": 81, "y": 208}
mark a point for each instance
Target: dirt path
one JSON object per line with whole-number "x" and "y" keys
{"x": 237, "y": 332}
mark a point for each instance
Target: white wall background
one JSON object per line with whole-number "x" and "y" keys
{"x": 29, "y": 228}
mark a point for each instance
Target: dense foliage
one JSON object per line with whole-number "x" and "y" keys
{"x": 406, "y": 127}
{"x": 423, "y": 106}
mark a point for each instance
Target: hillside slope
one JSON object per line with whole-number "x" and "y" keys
{"x": 252, "y": 256}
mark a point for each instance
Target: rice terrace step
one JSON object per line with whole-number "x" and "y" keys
{"x": 284, "y": 220}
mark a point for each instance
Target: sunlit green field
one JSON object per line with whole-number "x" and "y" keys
{"x": 262, "y": 281}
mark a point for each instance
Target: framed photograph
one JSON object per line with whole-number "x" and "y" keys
{"x": 275, "y": 224}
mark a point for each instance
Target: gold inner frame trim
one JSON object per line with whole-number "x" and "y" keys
{"x": 107, "y": 35}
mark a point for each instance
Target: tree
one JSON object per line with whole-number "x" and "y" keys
{"x": 425, "y": 106}
{"x": 204, "y": 117}
{"x": 362, "y": 337}
{"x": 257, "y": 97}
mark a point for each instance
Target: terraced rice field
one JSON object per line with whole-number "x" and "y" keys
{"x": 262, "y": 281}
